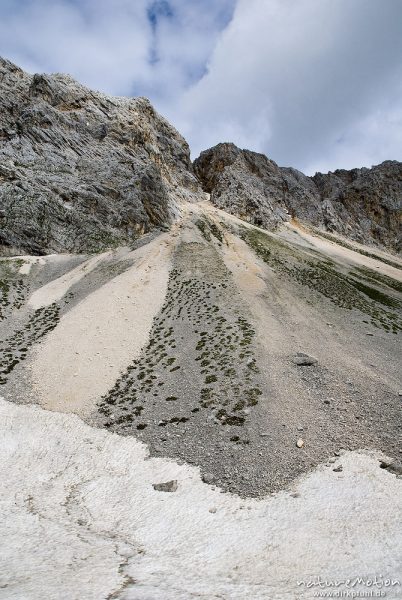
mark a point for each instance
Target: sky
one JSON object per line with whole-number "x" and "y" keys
{"x": 313, "y": 84}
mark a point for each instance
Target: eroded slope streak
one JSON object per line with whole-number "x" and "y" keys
{"x": 359, "y": 290}
{"x": 197, "y": 377}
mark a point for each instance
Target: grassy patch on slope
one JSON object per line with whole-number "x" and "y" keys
{"x": 323, "y": 277}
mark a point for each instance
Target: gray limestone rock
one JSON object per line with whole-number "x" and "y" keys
{"x": 362, "y": 204}
{"x": 244, "y": 183}
{"x": 303, "y": 360}
{"x": 81, "y": 171}
{"x": 167, "y": 486}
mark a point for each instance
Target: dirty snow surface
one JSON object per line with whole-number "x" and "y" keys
{"x": 213, "y": 414}
{"x": 80, "y": 519}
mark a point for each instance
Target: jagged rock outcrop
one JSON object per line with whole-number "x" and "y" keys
{"x": 243, "y": 183}
{"x": 363, "y": 204}
{"x": 81, "y": 171}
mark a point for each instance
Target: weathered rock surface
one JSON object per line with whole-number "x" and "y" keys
{"x": 304, "y": 360}
{"x": 363, "y": 204}
{"x": 244, "y": 183}
{"x": 167, "y": 486}
{"x": 81, "y": 171}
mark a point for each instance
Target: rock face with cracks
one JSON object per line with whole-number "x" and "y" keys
{"x": 362, "y": 204}
{"x": 81, "y": 171}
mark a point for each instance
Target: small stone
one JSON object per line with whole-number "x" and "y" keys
{"x": 371, "y": 334}
{"x": 300, "y": 443}
{"x": 393, "y": 466}
{"x": 264, "y": 434}
{"x": 327, "y": 402}
{"x": 338, "y": 469}
{"x": 400, "y": 393}
{"x": 167, "y": 486}
{"x": 208, "y": 478}
{"x": 212, "y": 510}
{"x": 304, "y": 360}
{"x": 300, "y": 429}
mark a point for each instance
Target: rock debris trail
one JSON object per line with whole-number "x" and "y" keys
{"x": 247, "y": 362}
{"x": 96, "y": 339}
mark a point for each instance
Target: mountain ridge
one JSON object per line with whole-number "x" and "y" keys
{"x": 81, "y": 171}
{"x": 362, "y": 204}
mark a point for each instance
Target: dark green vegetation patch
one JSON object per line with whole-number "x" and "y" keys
{"x": 13, "y": 289}
{"x": 368, "y": 274}
{"x": 199, "y": 362}
{"x": 208, "y": 228}
{"x": 14, "y": 349}
{"x": 322, "y": 276}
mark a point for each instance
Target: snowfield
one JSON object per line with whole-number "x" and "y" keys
{"x": 80, "y": 520}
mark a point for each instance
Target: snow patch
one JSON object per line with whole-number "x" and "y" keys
{"x": 81, "y": 519}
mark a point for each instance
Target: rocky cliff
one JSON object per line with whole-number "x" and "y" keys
{"x": 79, "y": 170}
{"x": 363, "y": 204}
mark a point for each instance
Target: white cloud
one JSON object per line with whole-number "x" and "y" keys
{"x": 308, "y": 82}
{"x": 314, "y": 84}
{"x": 108, "y": 45}
{"x": 100, "y": 43}
{"x": 368, "y": 141}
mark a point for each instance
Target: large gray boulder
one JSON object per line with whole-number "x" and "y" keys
{"x": 81, "y": 171}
